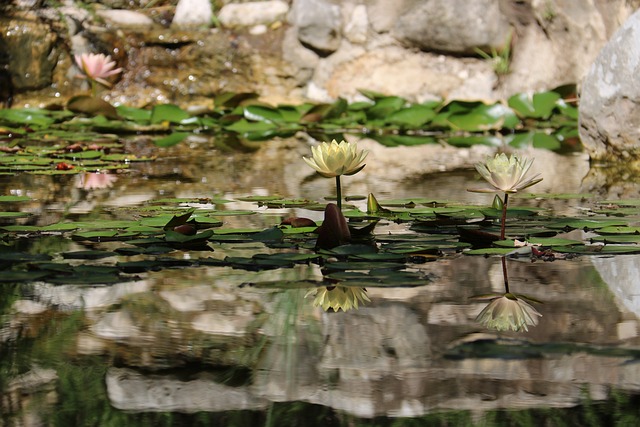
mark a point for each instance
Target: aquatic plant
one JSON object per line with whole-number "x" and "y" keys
{"x": 333, "y": 159}
{"x": 96, "y": 68}
{"x": 499, "y": 59}
{"x": 505, "y": 174}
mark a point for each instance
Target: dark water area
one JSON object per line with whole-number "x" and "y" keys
{"x": 215, "y": 345}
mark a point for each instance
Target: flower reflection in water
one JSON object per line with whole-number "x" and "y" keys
{"x": 508, "y": 311}
{"x": 95, "y": 181}
{"x": 338, "y": 297}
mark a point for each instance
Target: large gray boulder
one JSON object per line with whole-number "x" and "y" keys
{"x": 456, "y": 26}
{"x": 319, "y": 24}
{"x": 610, "y": 98}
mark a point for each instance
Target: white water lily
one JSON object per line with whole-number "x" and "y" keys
{"x": 508, "y": 312}
{"x": 338, "y": 297}
{"x": 506, "y": 173}
{"x": 332, "y": 159}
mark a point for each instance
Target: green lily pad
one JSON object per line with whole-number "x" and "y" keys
{"x": 168, "y": 113}
{"x": 22, "y": 276}
{"x": 9, "y": 199}
{"x": 88, "y": 254}
{"x": 617, "y": 238}
{"x": 14, "y": 214}
{"x": 599, "y": 249}
{"x": 619, "y": 230}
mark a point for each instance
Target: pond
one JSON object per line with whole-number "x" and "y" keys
{"x": 229, "y": 331}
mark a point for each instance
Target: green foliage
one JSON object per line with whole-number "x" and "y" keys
{"x": 38, "y": 140}
{"x": 500, "y": 59}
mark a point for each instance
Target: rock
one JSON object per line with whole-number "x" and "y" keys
{"x": 253, "y": 13}
{"x": 621, "y": 273}
{"x": 355, "y": 29}
{"x": 125, "y": 18}
{"x": 383, "y": 14}
{"x": 330, "y": 49}
{"x": 192, "y": 13}
{"x": 318, "y": 23}
{"x": 31, "y": 48}
{"x": 413, "y": 75}
{"x": 134, "y": 391}
{"x": 456, "y": 26}
{"x": 610, "y": 98}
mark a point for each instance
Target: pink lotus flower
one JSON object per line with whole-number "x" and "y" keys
{"x": 97, "y": 67}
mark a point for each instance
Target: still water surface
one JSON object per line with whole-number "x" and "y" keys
{"x": 203, "y": 346}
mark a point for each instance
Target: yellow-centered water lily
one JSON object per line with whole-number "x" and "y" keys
{"x": 331, "y": 159}
{"x": 508, "y": 312}
{"x": 506, "y": 173}
{"x": 338, "y": 297}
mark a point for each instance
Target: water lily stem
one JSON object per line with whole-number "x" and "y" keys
{"x": 503, "y": 221}
{"x": 339, "y": 192}
{"x": 504, "y": 275}
{"x": 93, "y": 87}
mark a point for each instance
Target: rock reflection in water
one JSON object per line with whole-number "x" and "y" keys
{"x": 193, "y": 340}
{"x": 190, "y": 341}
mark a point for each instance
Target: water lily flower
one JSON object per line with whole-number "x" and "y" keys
{"x": 333, "y": 159}
{"x": 506, "y": 173}
{"x": 508, "y": 312}
{"x": 338, "y": 297}
{"x": 97, "y": 67}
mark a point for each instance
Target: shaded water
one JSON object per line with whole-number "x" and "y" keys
{"x": 203, "y": 346}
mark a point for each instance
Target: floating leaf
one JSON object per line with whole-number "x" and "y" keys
{"x": 14, "y": 199}
{"x": 92, "y": 106}
{"x": 413, "y": 117}
{"x": 484, "y": 117}
{"x": 544, "y": 103}
{"x": 22, "y": 276}
{"x": 171, "y": 140}
{"x": 87, "y": 254}
{"x": 168, "y": 113}
{"x": 27, "y": 116}
{"x": 135, "y": 114}
{"x": 385, "y": 106}
{"x": 262, "y": 113}
{"x": 599, "y": 249}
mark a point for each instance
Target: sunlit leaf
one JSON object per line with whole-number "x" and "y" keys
{"x": 168, "y": 113}
{"x": 171, "y": 140}
{"x": 413, "y": 116}
{"x": 543, "y": 140}
{"x": 484, "y": 117}
{"x": 385, "y": 107}
{"x": 33, "y": 117}
{"x": 262, "y": 113}
{"x": 134, "y": 114}
{"x": 544, "y": 103}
